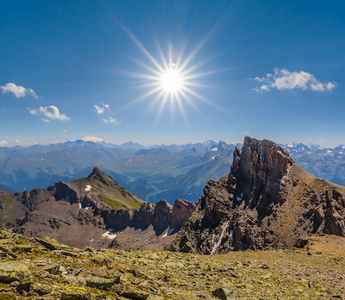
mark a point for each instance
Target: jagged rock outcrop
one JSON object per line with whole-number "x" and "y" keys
{"x": 265, "y": 200}
{"x": 162, "y": 216}
{"x": 182, "y": 210}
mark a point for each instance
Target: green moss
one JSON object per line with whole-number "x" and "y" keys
{"x": 7, "y": 296}
{"x": 114, "y": 204}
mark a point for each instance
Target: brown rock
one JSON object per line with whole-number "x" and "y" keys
{"x": 266, "y": 200}
{"x": 181, "y": 211}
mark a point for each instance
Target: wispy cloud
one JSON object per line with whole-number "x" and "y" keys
{"x": 17, "y": 90}
{"x": 3, "y": 143}
{"x": 49, "y": 113}
{"x": 101, "y": 109}
{"x": 111, "y": 120}
{"x": 91, "y": 138}
{"x": 282, "y": 79}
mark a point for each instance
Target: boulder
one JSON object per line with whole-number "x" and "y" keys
{"x": 12, "y": 271}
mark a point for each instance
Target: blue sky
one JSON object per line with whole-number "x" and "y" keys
{"x": 267, "y": 69}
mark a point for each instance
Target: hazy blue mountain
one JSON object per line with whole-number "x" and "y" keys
{"x": 6, "y": 189}
{"x": 152, "y": 172}
{"x": 131, "y": 164}
{"x": 325, "y": 163}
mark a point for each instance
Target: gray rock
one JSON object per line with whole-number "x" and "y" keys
{"x": 12, "y": 271}
{"x": 221, "y": 293}
{"x": 101, "y": 283}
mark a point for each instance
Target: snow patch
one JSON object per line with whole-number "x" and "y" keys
{"x": 215, "y": 149}
{"x": 217, "y": 244}
{"x": 80, "y": 207}
{"x": 169, "y": 232}
{"x": 109, "y": 235}
{"x": 213, "y": 157}
{"x": 231, "y": 233}
{"x": 88, "y": 188}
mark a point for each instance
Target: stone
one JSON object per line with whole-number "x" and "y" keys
{"x": 131, "y": 293}
{"x": 12, "y": 271}
{"x": 101, "y": 283}
{"x": 72, "y": 293}
{"x": 41, "y": 288}
{"x": 49, "y": 243}
{"x": 221, "y": 293}
{"x": 57, "y": 270}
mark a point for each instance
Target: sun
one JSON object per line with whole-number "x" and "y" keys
{"x": 171, "y": 77}
{"x": 171, "y": 81}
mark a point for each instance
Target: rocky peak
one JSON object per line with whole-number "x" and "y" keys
{"x": 265, "y": 200}
{"x": 258, "y": 169}
{"x": 98, "y": 175}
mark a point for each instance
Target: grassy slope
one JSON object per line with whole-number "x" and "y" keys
{"x": 112, "y": 194}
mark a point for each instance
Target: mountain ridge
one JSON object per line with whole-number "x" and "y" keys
{"x": 266, "y": 200}
{"x": 92, "y": 211}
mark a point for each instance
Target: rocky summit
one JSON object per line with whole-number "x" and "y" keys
{"x": 266, "y": 200}
{"x": 94, "y": 211}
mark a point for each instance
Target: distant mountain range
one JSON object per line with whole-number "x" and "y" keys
{"x": 151, "y": 172}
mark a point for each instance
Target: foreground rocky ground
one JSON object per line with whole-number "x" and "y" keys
{"x": 44, "y": 269}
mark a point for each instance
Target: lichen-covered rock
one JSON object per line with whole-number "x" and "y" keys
{"x": 49, "y": 243}
{"x": 41, "y": 288}
{"x": 13, "y": 271}
{"x": 72, "y": 293}
{"x": 131, "y": 293}
{"x": 303, "y": 273}
{"x": 100, "y": 283}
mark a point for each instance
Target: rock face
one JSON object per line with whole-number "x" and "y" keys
{"x": 182, "y": 210}
{"x": 89, "y": 211}
{"x": 265, "y": 200}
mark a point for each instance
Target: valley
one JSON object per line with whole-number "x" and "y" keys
{"x": 267, "y": 229}
{"x": 153, "y": 173}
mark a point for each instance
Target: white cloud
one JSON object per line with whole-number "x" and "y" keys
{"x": 111, "y": 120}
{"x": 101, "y": 109}
{"x": 283, "y": 79}
{"x": 91, "y": 138}
{"x": 45, "y": 120}
{"x": 3, "y": 143}
{"x": 49, "y": 113}
{"x": 17, "y": 90}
